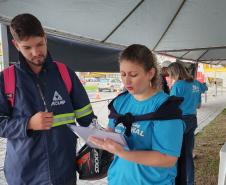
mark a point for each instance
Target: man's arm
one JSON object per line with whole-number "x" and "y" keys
{"x": 10, "y": 127}
{"x": 13, "y": 127}
{"x": 80, "y": 101}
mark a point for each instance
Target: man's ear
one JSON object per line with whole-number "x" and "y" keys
{"x": 46, "y": 38}
{"x": 15, "y": 44}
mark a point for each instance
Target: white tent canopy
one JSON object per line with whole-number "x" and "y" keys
{"x": 186, "y": 29}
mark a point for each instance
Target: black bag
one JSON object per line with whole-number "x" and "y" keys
{"x": 92, "y": 163}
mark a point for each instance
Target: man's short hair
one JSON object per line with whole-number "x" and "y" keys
{"x": 26, "y": 25}
{"x": 166, "y": 63}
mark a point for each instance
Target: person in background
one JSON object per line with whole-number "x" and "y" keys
{"x": 189, "y": 89}
{"x": 154, "y": 145}
{"x": 203, "y": 88}
{"x": 164, "y": 74}
{"x": 41, "y": 149}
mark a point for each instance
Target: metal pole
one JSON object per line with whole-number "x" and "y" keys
{"x": 205, "y": 97}
{"x": 5, "y": 48}
{"x": 215, "y": 82}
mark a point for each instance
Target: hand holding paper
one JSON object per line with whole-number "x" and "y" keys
{"x": 107, "y": 144}
{"x": 86, "y": 132}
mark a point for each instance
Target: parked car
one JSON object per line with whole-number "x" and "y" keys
{"x": 91, "y": 81}
{"x": 110, "y": 84}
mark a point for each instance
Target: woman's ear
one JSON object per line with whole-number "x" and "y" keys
{"x": 151, "y": 73}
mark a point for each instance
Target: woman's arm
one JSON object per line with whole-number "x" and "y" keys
{"x": 149, "y": 158}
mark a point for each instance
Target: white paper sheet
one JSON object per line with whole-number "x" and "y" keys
{"x": 86, "y": 132}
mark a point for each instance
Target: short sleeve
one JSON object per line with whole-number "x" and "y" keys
{"x": 111, "y": 124}
{"x": 111, "y": 121}
{"x": 168, "y": 136}
{"x": 175, "y": 91}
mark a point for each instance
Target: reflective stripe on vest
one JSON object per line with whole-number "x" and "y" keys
{"x": 62, "y": 119}
{"x": 86, "y": 110}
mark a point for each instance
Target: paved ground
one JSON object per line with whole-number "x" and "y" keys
{"x": 208, "y": 111}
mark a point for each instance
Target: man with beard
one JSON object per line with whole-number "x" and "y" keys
{"x": 41, "y": 149}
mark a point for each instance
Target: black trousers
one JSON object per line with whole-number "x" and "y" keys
{"x": 185, "y": 164}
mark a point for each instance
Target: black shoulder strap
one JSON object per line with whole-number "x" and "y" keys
{"x": 167, "y": 111}
{"x": 113, "y": 113}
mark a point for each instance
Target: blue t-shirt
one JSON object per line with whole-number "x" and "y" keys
{"x": 203, "y": 86}
{"x": 191, "y": 93}
{"x": 163, "y": 136}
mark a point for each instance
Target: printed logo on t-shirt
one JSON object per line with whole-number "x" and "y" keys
{"x": 120, "y": 128}
{"x": 195, "y": 89}
{"x": 137, "y": 130}
{"x": 57, "y": 99}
